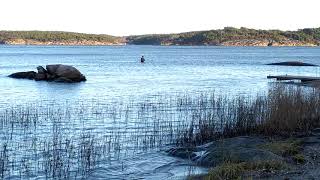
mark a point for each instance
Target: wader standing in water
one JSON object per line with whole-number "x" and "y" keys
{"x": 142, "y": 59}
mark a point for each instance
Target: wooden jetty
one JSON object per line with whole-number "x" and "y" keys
{"x": 290, "y": 77}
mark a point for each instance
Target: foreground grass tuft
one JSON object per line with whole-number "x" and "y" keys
{"x": 230, "y": 170}
{"x": 288, "y": 148}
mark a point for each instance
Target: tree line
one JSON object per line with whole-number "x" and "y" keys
{"x": 216, "y": 37}
{"x": 54, "y": 36}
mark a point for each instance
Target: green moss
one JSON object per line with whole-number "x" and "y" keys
{"x": 289, "y": 148}
{"x": 283, "y": 148}
{"x": 231, "y": 170}
{"x": 299, "y": 158}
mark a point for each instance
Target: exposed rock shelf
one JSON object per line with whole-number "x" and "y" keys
{"x": 283, "y": 158}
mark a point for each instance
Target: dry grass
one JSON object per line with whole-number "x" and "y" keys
{"x": 284, "y": 111}
{"x": 231, "y": 170}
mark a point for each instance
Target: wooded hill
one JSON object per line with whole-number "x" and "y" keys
{"x": 54, "y": 37}
{"x": 228, "y": 36}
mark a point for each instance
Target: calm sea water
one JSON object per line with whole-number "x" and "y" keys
{"x": 115, "y": 72}
{"x": 105, "y": 104}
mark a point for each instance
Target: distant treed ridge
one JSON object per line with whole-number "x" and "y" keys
{"x": 56, "y": 38}
{"x": 228, "y": 36}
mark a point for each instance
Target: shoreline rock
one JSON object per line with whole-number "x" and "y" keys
{"x": 266, "y": 43}
{"x": 296, "y": 157}
{"x": 123, "y": 41}
{"x": 240, "y": 149}
{"x": 60, "y": 43}
{"x": 56, "y": 72}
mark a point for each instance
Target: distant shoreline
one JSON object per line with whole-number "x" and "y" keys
{"x": 228, "y": 36}
{"x": 106, "y": 45}
{"x": 62, "y": 43}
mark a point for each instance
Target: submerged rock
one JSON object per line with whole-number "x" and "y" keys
{"x": 181, "y": 152}
{"x": 56, "y": 73}
{"x": 292, "y": 63}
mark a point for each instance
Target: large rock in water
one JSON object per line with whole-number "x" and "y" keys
{"x": 51, "y": 69}
{"x": 56, "y": 72}
{"x": 40, "y": 77}
{"x": 69, "y": 73}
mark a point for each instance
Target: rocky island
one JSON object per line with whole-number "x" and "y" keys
{"x": 291, "y": 63}
{"x": 55, "y": 72}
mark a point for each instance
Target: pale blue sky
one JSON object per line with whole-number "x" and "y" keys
{"x": 126, "y": 17}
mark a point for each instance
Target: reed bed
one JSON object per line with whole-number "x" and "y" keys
{"x": 65, "y": 140}
{"x": 284, "y": 111}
